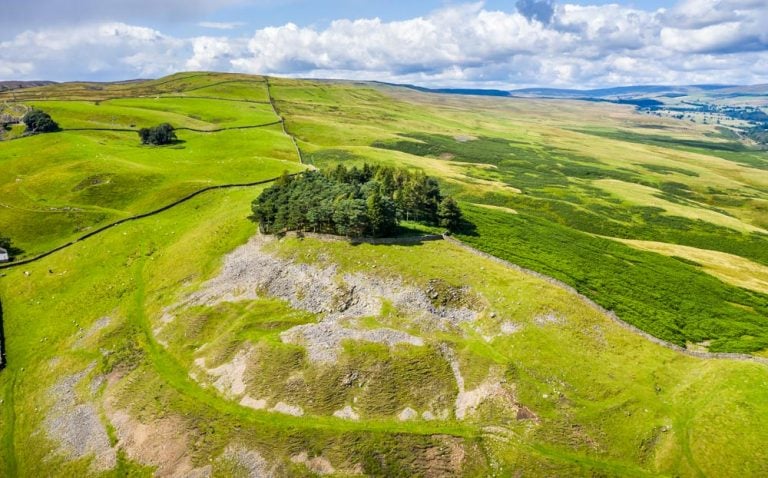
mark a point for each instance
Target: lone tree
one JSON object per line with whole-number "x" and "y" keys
{"x": 449, "y": 214}
{"x": 158, "y": 135}
{"x": 38, "y": 121}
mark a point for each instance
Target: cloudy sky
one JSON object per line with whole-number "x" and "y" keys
{"x": 490, "y": 44}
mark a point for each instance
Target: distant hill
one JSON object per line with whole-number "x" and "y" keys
{"x": 15, "y": 85}
{"x": 608, "y": 94}
{"x": 459, "y": 91}
{"x": 621, "y": 91}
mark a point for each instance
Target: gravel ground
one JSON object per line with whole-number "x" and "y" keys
{"x": 250, "y": 271}
{"x": 282, "y": 407}
{"x": 408, "y": 413}
{"x": 97, "y": 327}
{"x": 250, "y": 461}
{"x": 509, "y": 328}
{"x": 248, "y": 401}
{"x": 347, "y": 413}
{"x": 548, "y": 319}
{"x": 76, "y": 426}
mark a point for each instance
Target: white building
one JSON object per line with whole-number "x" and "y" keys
{"x": 4, "y": 255}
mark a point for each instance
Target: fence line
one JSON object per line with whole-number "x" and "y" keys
{"x": 282, "y": 121}
{"x": 136, "y": 218}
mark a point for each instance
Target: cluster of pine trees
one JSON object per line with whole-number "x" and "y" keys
{"x": 356, "y": 202}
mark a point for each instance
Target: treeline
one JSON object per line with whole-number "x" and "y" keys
{"x": 367, "y": 201}
{"x": 758, "y": 134}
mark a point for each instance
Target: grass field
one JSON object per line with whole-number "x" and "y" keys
{"x": 728, "y": 268}
{"x": 667, "y": 233}
{"x": 602, "y": 394}
{"x": 62, "y": 185}
{"x": 595, "y": 169}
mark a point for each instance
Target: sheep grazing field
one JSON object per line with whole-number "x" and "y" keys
{"x": 604, "y": 312}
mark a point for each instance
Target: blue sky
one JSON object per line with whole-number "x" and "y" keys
{"x": 492, "y": 43}
{"x": 307, "y": 13}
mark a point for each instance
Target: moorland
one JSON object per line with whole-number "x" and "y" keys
{"x": 166, "y": 336}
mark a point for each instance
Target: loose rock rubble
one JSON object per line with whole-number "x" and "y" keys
{"x": 76, "y": 427}
{"x": 250, "y": 271}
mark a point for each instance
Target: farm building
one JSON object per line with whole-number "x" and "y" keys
{"x": 4, "y": 255}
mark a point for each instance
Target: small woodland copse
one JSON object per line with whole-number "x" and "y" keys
{"x": 367, "y": 201}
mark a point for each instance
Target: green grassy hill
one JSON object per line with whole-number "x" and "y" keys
{"x": 58, "y": 187}
{"x": 183, "y": 344}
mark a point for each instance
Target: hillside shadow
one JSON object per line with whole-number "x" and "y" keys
{"x": 467, "y": 228}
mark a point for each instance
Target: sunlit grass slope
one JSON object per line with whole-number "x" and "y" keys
{"x": 548, "y": 185}
{"x": 650, "y": 179}
{"x": 58, "y": 186}
{"x": 608, "y": 402}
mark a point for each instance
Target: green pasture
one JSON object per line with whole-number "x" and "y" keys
{"x": 62, "y": 185}
{"x": 602, "y": 394}
{"x": 525, "y": 156}
{"x": 548, "y": 185}
{"x": 97, "y": 177}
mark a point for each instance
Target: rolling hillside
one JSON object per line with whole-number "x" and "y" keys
{"x": 183, "y": 343}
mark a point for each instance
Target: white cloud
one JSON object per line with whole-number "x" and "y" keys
{"x": 697, "y": 41}
{"x": 214, "y": 53}
{"x": 93, "y": 51}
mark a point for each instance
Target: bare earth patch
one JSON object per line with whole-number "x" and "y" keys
{"x": 408, "y": 413}
{"x": 249, "y": 461}
{"x": 230, "y": 377}
{"x": 548, "y": 319}
{"x": 347, "y": 413}
{"x": 161, "y": 443}
{"x": 467, "y": 401}
{"x": 250, "y": 271}
{"x": 319, "y": 465}
{"x": 76, "y": 427}
{"x": 97, "y": 327}
{"x": 509, "y": 328}
{"x": 256, "y": 404}
{"x": 464, "y": 138}
{"x": 282, "y": 407}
